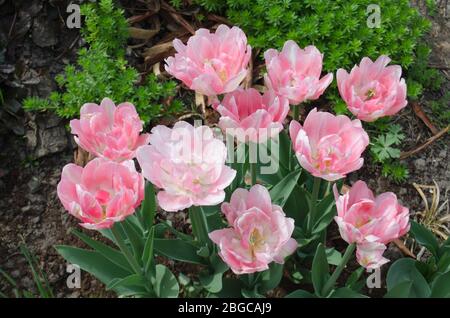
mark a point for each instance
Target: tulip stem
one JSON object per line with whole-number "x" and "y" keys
{"x": 314, "y": 197}
{"x": 295, "y": 111}
{"x": 337, "y": 272}
{"x": 125, "y": 251}
{"x": 199, "y": 224}
{"x": 253, "y": 168}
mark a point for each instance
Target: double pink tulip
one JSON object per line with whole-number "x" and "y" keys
{"x": 188, "y": 164}
{"x": 101, "y": 193}
{"x": 373, "y": 89}
{"x": 370, "y": 222}
{"x": 260, "y": 233}
{"x": 248, "y": 116}
{"x": 295, "y": 73}
{"x": 211, "y": 63}
{"x": 108, "y": 131}
{"x": 329, "y": 146}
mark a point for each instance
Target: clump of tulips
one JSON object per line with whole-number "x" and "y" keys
{"x": 241, "y": 218}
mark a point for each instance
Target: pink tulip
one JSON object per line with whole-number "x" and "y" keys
{"x": 211, "y": 63}
{"x": 370, "y": 255}
{"x": 101, "y": 193}
{"x": 188, "y": 164}
{"x": 108, "y": 131}
{"x": 260, "y": 233}
{"x": 329, "y": 146}
{"x": 295, "y": 73}
{"x": 372, "y": 89}
{"x": 251, "y": 117}
{"x": 363, "y": 219}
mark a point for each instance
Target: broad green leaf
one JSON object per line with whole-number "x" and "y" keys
{"x": 443, "y": 265}
{"x": 178, "y": 250}
{"x": 251, "y": 293}
{"x": 271, "y": 278}
{"x": 425, "y": 237}
{"x": 441, "y": 286}
{"x": 166, "y": 285}
{"x": 94, "y": 263}
{"x": 405, "y": 270}
{"x": 353, "y": 279}
{"x": 281, "y": 191}
{"x": 130, "y": 281}
{"x": 110, "y": 253}
{"x": 402, "y": 290}
{"x": 211, "y": 282}
{"x": 346, "y": 292}
{"x": 320, "y": 270}
{"x": 326, "y": 209}
{"x": 334, "y": 257}
{"x": 134, "y": 237}
{"x": 300, "y": 293}
{"x": 297, "y": 205}
{"x": 147, "y": 256}
{"x": 148, "y": 207}
{"x": 231, "y": 288}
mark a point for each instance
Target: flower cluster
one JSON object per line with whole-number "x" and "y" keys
{"x": 188, "y": 164}
{"x": 259, "y": 233}
{"x": 370, "y": 222}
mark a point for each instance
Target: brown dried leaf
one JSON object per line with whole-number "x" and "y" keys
{"x": 158, "y": 52}
{"x": 421, "y": 114}
{"x": 142, "y": 34}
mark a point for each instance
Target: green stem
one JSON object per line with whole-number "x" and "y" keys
{"x": 125, "y": 251}
{"x": 295, "y": 111}
{"x": 337, "y": 272}
{"x": 295, "y": 114}
{"x": 314, "y": 197}
{"x": 199, "y": 224}
{"x": 253, "y": 173}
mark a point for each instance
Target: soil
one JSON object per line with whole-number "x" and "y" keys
{"x": 35, "y": 147}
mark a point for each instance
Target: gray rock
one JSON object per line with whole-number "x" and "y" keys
{"x": 35, "y": 220}
{"x": 46, "y": 135}
{"x": 33, "y": 185}
{"x": 419, "y": 163}
{"x": 15, "y": 273}
{"x": 26, "y": 208}
{"x": 44, "y": 32}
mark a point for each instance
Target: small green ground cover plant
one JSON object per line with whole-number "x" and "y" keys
{"x": 102, "y": 70}
{"x": 345, "y": 31}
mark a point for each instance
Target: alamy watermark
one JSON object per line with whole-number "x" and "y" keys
{"x": 74, "y": 279}
{"x": 73, "y": 20}
{"x": 374, "y": 16}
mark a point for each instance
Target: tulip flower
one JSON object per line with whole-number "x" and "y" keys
{"x": 188, "y": 164}
{"x": 211, "y": 63}
{"x": 370, "y": 255}
{"x": 373, "y": 89}
{"x": 101, "y": 193}
{"x": 370, "y": 221}
{"x": 295, "y": 73}
{"x": 329, "y": 146}
{"x": 259, "y": 232}
{"x": 251, "y": 117}
{"x": 108, "y": 131}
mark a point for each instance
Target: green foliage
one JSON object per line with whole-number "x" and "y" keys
{"x": 105, "y": 27}
{"x": 421, "y": 77}
{"x": 441, "y": 110}
{"x": 39, "y": 277}
{"x": 102, "y": 71}
{"x": 384, "y": 149}
{"x": 409, "y": 278}
{"x": 338, "y": 28}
